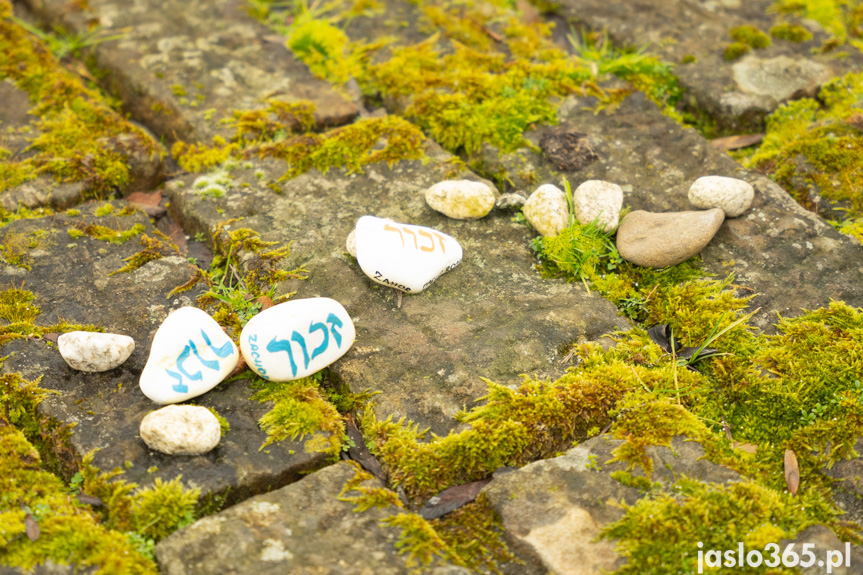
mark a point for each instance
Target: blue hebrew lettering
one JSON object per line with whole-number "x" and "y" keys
{"x": 334, "y": 321}
{"x": 209, "y": 363}
{"x": 301, "y": 340}
{"x": 277, "y": 345}
{"x": 223, "y": 351}
{"x": 183, "y": 357}
{"x": 178, "y": 387}
{"x": 323, "y": 347}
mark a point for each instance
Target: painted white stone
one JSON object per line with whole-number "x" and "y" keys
{"x": 190, "y": 356}
{"x": 600, "y": 201}
{"x": 461, "y": 199}
{"x": 403, "y": 256}
{"x": 181, "y": 430}
{"x": 730, "y": 195}
{"x": 91, "y": 351}
{"x": 546, "y": 210}
{"x": 297, "y": 338}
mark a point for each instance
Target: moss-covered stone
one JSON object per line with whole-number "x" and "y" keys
{"x": 76, "y": 136}
{"x": 814, "y": 151}
{"x": 790, "y": 32}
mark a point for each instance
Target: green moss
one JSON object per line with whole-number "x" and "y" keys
{"x": 367, "y": 497}
{"x": 662, "y": 530}
{"x": 300, "y": 408}
{"x": 839, "y": 18}
{"x": 73, "y": 213}
{"x": 76, "y": 126}
{"x": 751, "y": 36}
{"x": 808, "y": 145}
{"x": 422, "y": 544}
{"x": 69, "y": 531}
{"x": 273, "y": 133}
{"x": 790, "y": 32}
{"x": 154, "y": 249}
{"x": 75, "y": 233}
{"x": 106, "y": 234}
{"x": 474, "y": 532}
{"x": 14, "y": 250}
{"x": 153, "y": 513}
{"x": 735, "y": 51}
{"x": 104, "y": 210}
{"x": 513, "y": 427}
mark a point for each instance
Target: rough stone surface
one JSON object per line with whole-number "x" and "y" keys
{"x": 69, "y": 279}
{"x": 88, "y": 351}
{"x": 823, "y": 542}
{"x": 600, "y": 201}
{"x": 176, "y": 60}
{"x": 461, "y": 199}
{"x": 848, "y": 489}
{"x": 302, "y": 529}
{"x": 739, "y": 93}
{"x": 493, "y": 316}
{"x": 181, "y": 430}
{"x": 731, "y": 195}
{"x": 789, "y": 258}
{"x": 546, "y": 210}
{"x": 554, "y": 509}
{"x": 660, "y": 240}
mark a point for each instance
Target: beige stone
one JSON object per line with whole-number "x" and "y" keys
{"x": 181, "y": 430}
{"x": 461, "y": 199}
{"x": 546, "y": 210}
{"x": 659, "y": 240}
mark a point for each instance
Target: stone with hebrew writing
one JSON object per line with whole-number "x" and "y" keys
{"x": 190, "y": 355}
{"x": 404, "y": 256}
{"x": 297, "y": 338}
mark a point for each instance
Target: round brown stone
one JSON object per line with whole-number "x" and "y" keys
{"x": 660, "y": 240}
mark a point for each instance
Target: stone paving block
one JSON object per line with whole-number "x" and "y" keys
{"x": 739, "y": 93}
{"x": 493, "y": 316}
{"x": 789, "y": 257}
{"x": 302, "y": 529}
{"x": 554, "y": 509}
{"x": 69, "y": 279}
{"x": 179, "y": 67}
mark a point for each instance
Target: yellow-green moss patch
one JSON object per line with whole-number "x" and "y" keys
{"x": 75, "y": 124}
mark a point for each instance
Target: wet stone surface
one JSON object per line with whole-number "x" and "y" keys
{"x": 789, "y": 257}
{"x": 179, "y": 67}
{"x": 302, "y": 529}
{"x": 737, "y": 94}
{"x": 70, "y": 282}
{"x": 492, "y": 316}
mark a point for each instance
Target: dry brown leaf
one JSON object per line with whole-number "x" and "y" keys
{"x": 855, "y": 120}
{"x": 737, "y": 142}
{"x": 792, "y": 471}
{"x": 530, "y": 14}
{"x": 32, "y": 527}
{"x": 241, "y": 365}
{"x": 144, "y": 198}
{"x": 747, "y": 447}
{"x": 266, "y": 302}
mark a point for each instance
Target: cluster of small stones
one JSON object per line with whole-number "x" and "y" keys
{"x": 647, "y": 239}
{"x": 191, "y": 355}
